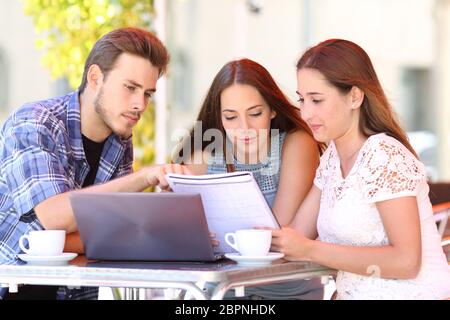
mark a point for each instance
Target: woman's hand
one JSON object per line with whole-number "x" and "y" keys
{"x": 295, "y": 246}
{"x": 156, "y": 174}
{"x": 214, "y": 242}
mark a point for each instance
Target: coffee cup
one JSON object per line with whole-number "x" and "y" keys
{"x": 43, "y": 242}
{"x": 250, "y": 242}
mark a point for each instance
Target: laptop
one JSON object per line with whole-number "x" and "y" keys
{"x": 143, "y": 226}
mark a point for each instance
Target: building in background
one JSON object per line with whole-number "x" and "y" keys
{"x": 398, "y": 35}
{"x": 406, "y": 39}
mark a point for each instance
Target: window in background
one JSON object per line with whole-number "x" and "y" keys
{"x": 182, "y": 111}
{"x": 417, "y": 106}
{"x": 418, "y": 113}
{"x": 181, "y": 76}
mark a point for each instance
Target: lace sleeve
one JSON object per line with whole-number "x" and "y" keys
{"x": 390, "y": 171}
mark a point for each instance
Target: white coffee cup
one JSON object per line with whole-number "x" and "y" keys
{"x": 44, "y": 242}
{"x": 250, "y": 242}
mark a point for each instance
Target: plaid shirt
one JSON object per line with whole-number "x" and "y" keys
{"x": 41, "y": 155}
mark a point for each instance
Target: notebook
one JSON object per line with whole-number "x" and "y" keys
{"x": 143, "y": 226}
{"x": 232, "y": 201}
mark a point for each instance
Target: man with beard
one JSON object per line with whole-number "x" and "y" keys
{"x": 75, "y": 143}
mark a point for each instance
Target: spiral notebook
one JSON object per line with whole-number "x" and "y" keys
{"x": 232, "y": 201}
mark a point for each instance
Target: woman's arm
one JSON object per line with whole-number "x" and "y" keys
{"x": 56, "y": 212}
{"x": 299, "y": 161}
{"x": 305, "y": 221}
{"x": 400, "y": 259}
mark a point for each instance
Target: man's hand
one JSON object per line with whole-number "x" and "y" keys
{"x": 156, "y": 174}
{"x": 73, "y": 243}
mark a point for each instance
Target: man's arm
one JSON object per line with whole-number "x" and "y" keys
{"x": 56, "y": 212}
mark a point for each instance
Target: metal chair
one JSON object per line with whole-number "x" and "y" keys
{"x": 446, "y": 242}
{"x": 441, "y": 215}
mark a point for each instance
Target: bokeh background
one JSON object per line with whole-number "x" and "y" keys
{"x": 43, "y": 44}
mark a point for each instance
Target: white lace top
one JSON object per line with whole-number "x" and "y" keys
{"x": 384, "y": 169}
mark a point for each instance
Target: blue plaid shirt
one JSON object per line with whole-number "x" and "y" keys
{"x": 41, "y": 155}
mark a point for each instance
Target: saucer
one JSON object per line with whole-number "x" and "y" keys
{"x": 60, "y": 260}
{"x": 254, "y": 260}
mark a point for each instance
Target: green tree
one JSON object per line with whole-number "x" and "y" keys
{"x": 67, "y": 31}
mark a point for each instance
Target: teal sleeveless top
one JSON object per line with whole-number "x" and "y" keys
{"x": 266, "y": 173}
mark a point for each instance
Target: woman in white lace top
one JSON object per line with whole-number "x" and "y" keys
{"x": 368, "y": 214}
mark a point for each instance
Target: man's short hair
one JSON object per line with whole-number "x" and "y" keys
{"x": 134, "y": 41}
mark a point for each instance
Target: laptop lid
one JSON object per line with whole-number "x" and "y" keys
{"x": 142, "y": 226}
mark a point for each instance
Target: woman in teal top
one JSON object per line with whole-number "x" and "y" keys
{"x": 257, "y": 129}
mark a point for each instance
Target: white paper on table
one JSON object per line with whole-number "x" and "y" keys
{"x": 232, "y": 201}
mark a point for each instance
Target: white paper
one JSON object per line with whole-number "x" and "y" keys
{"x": 232, "y": 201}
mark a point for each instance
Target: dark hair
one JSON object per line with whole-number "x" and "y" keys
{"x": 246, "y": 71}
{"x": 125, "y": 40}
{"x": 345, "y": 64}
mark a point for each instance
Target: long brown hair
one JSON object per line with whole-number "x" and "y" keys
{"x": 246, "y": 71}
{"x": 345, "y": 64}
{"x": 134, "y": 41}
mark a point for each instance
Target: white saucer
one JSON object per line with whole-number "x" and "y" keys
{"x": 254, "y": 260}
{"x": 60, "y": 260}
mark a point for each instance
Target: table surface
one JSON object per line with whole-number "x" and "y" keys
{"x": 184, "y": 275}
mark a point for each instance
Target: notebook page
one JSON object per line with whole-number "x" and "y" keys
{"x": 231, "y": 201}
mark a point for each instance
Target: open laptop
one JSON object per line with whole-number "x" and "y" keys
{"x": 143, "y": 226}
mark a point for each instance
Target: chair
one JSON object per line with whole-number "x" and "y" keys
{"x": 445, "y": 242}
{"x": 439, "y": 192}
{"x": 441, "y": 214}
{"x": 446, "y": 247}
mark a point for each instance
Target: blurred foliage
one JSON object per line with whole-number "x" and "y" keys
{"x": 68, "y": 30}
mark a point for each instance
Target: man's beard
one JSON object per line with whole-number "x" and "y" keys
{"x": 101, "y": 110}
